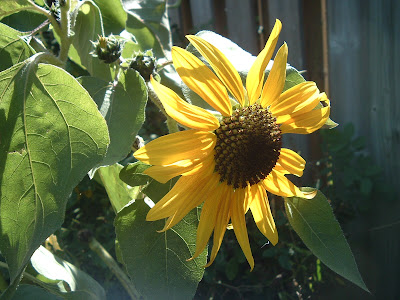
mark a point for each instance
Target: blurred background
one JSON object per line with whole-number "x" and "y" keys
{"x": 351, "y": 49}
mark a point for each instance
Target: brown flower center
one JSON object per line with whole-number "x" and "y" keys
{"x": 248, "y": 146}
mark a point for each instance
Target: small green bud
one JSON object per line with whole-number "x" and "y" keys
{"x": 145, "y": 64}
{"x": 108, "y": 49}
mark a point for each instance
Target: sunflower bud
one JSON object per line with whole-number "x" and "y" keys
{"x": 108, "y": 49}
{"x": 145, "y": 64}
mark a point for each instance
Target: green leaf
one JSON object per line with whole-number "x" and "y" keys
{"x": 25, "y": 20}
{"x": 293, "y": 77}
{"x": 88, "y": 27}
{"x": 122, "y": 106}
{"x": 13, "y": 48}
{"x": 132, "y": 174}
{"x": 9, "y": 7}
{"x": 51, "y": 135}
{"x": 156, "y": 262}
{"x": 148, "y": 22}
{"x": 29, "y": 292}
{"x": 120, "y": 193}
{"x": 314, "y": 222}
{"x": 114, "y": 15}
{"x": 80, "y": 284}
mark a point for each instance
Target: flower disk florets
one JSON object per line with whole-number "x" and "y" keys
{"x": 248, "y": 146}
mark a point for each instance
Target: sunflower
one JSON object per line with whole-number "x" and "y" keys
{"x": 230, "y": 163}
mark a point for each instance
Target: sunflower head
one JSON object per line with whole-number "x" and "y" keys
{"x": 248, "y": 146}
{"x": 231, "y": 161}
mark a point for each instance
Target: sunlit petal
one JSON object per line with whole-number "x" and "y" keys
{"x": 187, "y": 114}
{"x": 221, "y": 221}
{"x": 200, "y": 79}
{"x": 301, "y": 98}
{"x": 263, "y": 217}
{"x": 239, "y": 227}
{"x": 276, "y": 79}
{"x": 292, "y": 162}
{"x": 168, "y": 149}
{"x": 221, "y": 66}
{"x": 197, "y": 196}
{"x": 183, "y": 191}
{"x": 255, "y": 77}
{"x": 276, "y": 183}
{"x": 307, "y": 122}
{"x": 212, "y": 205}
{"x": 187, "y": 166}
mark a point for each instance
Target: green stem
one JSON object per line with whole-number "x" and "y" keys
{"x": 65, "y": 36}
{"x": 171, "y": 123}
{"x": 113, "y": 266}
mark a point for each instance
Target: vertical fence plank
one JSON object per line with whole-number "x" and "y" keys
{"x": 242, "y": 26}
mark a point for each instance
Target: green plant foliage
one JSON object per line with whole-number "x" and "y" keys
{"x": 122, "y": 105}
{"x": 13, "y": 48}
{"x": 51, "y": 135}
{"x": 132, "y": 174}
{"x": 119, "y": 193}
{"x": 29, "y": 292}
{"x": 89, "y": 25}
{"x": 9, "y": 7}
{"x": 169, "y": 275}
{"x": 314, "y": 222}
{"x": 114, "y": 16}
{"x": 72, "y": 281}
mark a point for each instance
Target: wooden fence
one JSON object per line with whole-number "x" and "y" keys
{"x": 351, "y": 49}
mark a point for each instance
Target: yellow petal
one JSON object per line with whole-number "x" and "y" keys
{"x": 221, "y": 66}
{"x": 301, "y": 98}
{"x": 208, "y": 218}
{"x": 292, "y": 162}
{"x": 263, "y": 217}
{"x": 276, "y": 79}
{"x": 198, "y": 194}
{"x": 221, "y": 221}
{"x": 240, "y": 229}
{"x": 255, "y": 77}
{"x": 200, "y": 79}
{"x": 307, "y": 122}
{"x": 278, "y": 184}
{"x": 187, "y": 166}
{"x": 187, "y": 114}
{"x": 189, "y": 144}
{"x": 180, "y": 195}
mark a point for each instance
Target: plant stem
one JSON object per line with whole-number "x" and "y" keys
{"x": 113, "y": 266}
{"x": 66, "y": 38}
{"x": 171, "y": 123}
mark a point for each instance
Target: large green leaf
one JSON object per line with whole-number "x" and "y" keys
{"x": 9, "y": 7}
{"x": 80, "y": 285}
{"x": 51, "y": 135}
{"x": 119, "y": 192}
{"x": 13, "y": 48}
{"x": 88, "y": 26}
{"x": 29, "y": 292}
{"x": 114, "y": 15}
{"x": 122, "y": 105}
{"x": 314, "y": 222}
{"x": 156, "y": 262}
{"x": 25, "y": 20}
